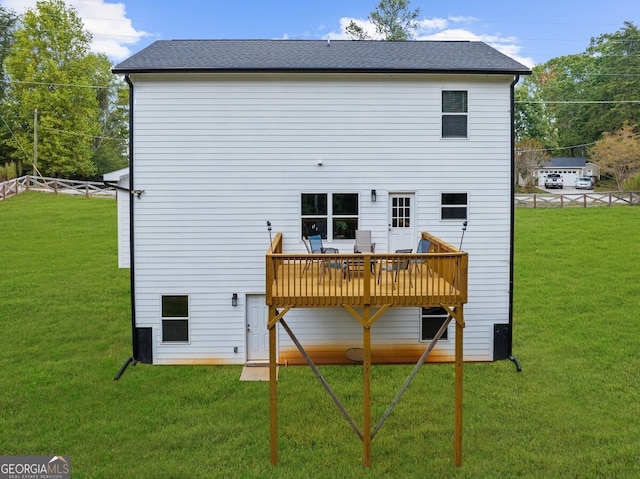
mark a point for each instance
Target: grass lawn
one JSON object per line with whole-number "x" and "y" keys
{"x": 573, "y": 412}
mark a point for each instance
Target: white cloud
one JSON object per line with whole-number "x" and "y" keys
{"x": 112, "y": 31}
{"x": 431, "y": 24}
{"x": 507, "y": 45}
{"x": 441, "y": 29}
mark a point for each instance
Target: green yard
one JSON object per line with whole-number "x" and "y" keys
{"x": 574, "y": 410}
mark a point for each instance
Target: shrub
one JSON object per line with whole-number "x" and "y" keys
{"x": 632, "y": 184}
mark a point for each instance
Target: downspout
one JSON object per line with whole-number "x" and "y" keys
{"x": 134, "y": 345}
{"x": 513, "y": 222}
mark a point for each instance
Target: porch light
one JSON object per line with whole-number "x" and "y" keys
{"x": 373, "y": 196}
{"x": 234, "y": 300}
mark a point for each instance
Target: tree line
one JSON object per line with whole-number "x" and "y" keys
{"x": 63, "y": 113}
{"x": 584, "y": 105}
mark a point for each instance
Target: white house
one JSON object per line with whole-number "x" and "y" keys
{"x": 570, "y": 168}
{"x": 398, "y": 138}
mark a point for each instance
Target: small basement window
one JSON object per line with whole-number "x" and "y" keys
{"x": 175, "y": 319}
{"x": 431, "y": 320}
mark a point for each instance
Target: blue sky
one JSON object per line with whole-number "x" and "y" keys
{"x": 530, "y": 32}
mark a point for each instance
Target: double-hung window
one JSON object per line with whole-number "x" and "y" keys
{"x": 453, "y": 206}
{"x": 454, "y": 114}
{"x": 175, "y": 319}
{"x": 332, "y": 215}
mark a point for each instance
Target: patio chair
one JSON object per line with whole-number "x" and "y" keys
{"x": 315, "y": 241}
{"x": 363, "y": 242}
{"x": 308, "y": 262}
{"x": 397, "y": 265}
{"x": 423, "y": 247}
{"x": 314, "y": 246}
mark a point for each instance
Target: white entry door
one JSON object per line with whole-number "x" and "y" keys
{"x": 401, "y": 221}
{"x": 257, "y": 332}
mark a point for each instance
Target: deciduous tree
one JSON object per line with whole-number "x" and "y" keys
{"x": 8, "y": 21}
{"x": 530, "y": 156}
{"x": 586, "y": 94}
{"x": 393, "y": 21}
{"x": 532, "y": 119}
{"x": 618, "y": 154}
{"x": 110, "y": 148}
{"x": 51, "y": 69}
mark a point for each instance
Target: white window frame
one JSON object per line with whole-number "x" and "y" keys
{"x": 186, "y": 318}
{"x": 439, "y": 316}
{"x": 464, "y": 113}
{"x": 452, "y": 206}
{"x": 330, "y": 217}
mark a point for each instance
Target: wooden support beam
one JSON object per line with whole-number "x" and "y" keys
{"x": 273, "y": 384}
{"x": 457, "y": 426}
{"x": 455, "y": 313}
{"x": 272, "y": 321}
{"x": 366, "y": 407}
{"x": 370, "y": 319}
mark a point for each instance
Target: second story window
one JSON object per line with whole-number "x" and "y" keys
{"x": 453, "y": 206}
{"x": 454, "y": 114}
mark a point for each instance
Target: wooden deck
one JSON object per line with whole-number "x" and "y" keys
{"x": 333, "y": 280}
{"x": 366, "y": 285}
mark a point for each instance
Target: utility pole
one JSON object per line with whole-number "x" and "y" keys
{"x": 35, "y": 141}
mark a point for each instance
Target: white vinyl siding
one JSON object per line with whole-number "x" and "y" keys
{"x": 123, "y": 198}
{"x": 220, "y": 155}
{"x": 121, "y": 178}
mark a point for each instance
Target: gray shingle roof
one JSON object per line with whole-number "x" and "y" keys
{"x": 565, "y": 162}
{"x": 319, "y": 55}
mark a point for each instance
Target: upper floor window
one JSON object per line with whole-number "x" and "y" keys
{"x": 332, "y": 215}
{"x": 454, "y": 114}
{"x": 453, "y": 206}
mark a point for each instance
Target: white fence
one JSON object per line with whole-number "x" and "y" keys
{"x": 55, "y": 185}
{"x": 580, "y": 200}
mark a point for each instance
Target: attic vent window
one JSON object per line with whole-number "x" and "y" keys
{"x": 454, "y": 114}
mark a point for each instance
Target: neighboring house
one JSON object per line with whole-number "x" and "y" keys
{"x": 570, "y": 168}
{"x": 394, "y": 137}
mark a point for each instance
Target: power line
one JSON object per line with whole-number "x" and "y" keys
{"x": 538, "y": 150}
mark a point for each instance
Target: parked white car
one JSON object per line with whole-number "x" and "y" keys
{"x": 584, "y": 182}
{"x": 554, "y": 180}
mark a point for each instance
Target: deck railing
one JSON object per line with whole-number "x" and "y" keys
{"x": 335, "y": 279}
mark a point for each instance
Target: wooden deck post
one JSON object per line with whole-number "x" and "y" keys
{"x": 273, "y": 385}
{"x": 457, "y": 432}
{"x": 366, "y": 371}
